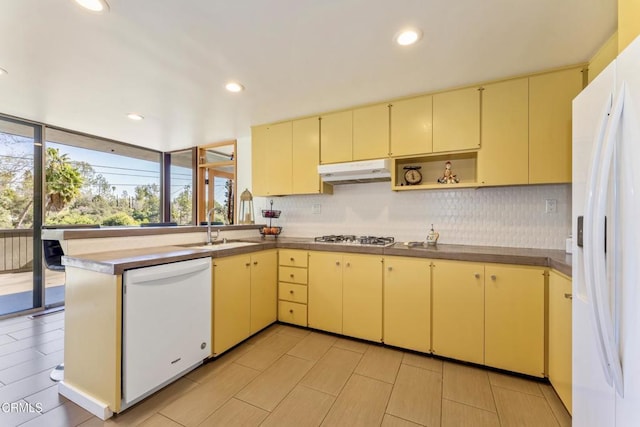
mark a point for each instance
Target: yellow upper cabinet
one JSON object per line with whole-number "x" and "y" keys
{"x": 407, "y": 302}
{"x": 272, "y": 160}
{"x": 628, "y": 22}
{"x": 550, "y": 97}
{"x": 259, "y": 165}
{"x": 456, "y": 120}
{"x": 458, "y": 310}
{"x": 411, "y": 126}
{"x": 514, "y": 318}
{"x": 504, "y": 157}
{"x": 371, "y": 132}
{"x": 306, "y": 156}
{"x": 336, "y": 137}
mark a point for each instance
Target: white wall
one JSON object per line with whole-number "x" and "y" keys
{"x": 502, "y": 216}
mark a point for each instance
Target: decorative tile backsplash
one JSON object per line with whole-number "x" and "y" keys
{"x": 501, "y": 216}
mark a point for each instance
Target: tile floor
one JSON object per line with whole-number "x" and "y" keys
{"x": 283, "y": 376}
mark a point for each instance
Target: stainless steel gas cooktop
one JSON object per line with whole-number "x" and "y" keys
{"x": 347, "y": 239}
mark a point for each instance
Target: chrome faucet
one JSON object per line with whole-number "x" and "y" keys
{"x": 209, "y": 242}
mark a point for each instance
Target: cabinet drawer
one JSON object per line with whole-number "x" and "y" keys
{"x": 293, "y": 258}
{"x": 291, "y": 312}
{"x": 293, "y": 275}
{"x": 291, "y": 292}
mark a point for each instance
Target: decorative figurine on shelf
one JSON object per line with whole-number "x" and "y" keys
{"x": 448, "y": 177}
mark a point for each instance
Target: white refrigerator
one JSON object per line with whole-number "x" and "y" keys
{"x": 606, "y": 248}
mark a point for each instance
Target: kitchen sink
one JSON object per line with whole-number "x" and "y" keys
{"x": 221, "y": 246}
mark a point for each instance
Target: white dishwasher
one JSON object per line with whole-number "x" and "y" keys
{"x": 166, "y": 325}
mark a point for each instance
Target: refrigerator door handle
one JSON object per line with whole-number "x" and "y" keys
{"x": 589, "y": 253}
{"x": 600, "y": 267}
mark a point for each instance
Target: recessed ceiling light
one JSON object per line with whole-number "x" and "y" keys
{"x": 135, "y": 116}
{"x": 98, "y": 6}
{"x": 3, "y": 72}
{"x": 234, "y": 87}
{"x": 408, "y": 37}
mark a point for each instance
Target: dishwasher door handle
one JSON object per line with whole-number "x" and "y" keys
{"x": 144, "y": 276}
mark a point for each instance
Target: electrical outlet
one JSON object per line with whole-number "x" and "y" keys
{"x": 551, "y": 206}
{"x": 316, "y": 208}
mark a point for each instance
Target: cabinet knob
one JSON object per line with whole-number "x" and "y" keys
{"x": 291, "y": 275}
{"x": 292, "y": 259}
{"x": 390, "y": 268}
{"x": 291, "y": 292}
{"x": 337, "y": 262}
{"x": 568, "y": 296}
{"x": 493, "y": 277}
{"x": 477, "y": 275}
{"x": 255, "y": 262}
{"x": 348, "y": 264}
{"x": 248, "y": 264}
{"x": 291, "y": 311}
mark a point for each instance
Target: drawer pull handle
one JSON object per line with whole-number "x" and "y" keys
{"x": 291, "y": 311}
{"x": 291, "y": 275}
{"x": 292, "y": 259}
{"x": 568, "y": 296}
{"x": 291, "y": 292}
{"x": 493, "y": 277}
{"x": 477, "y": 275}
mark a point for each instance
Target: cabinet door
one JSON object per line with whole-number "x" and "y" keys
{"x": 550, "y": 97}
{"x": 336, "y": 137}
{"x": 407, "y": 303}
{"x": 325, "y": 291}
{"x": 560, "y": 336}
{"x": 504, "y": 156}
{"x": 362, "y": 297}
{"x": 458, "y": 310}
{"x": 514, "y": 318}
{"x": 306, "y": 156}
{"x": 231, "y": 301}
{"x": 412, "y": 126}
{"x": 279, "y": 159}
{"x": 456, "y": 120}
{"x": 264, "y": 289}
{"x": 259, "y": 166}
{"x": 371, "y": 132}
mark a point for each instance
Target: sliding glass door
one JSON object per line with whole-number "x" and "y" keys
{"x": 20, "y": 216}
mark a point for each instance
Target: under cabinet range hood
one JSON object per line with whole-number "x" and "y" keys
{"x": 355, "y": 172}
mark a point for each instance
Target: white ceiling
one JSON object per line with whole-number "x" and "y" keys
{"x": 169, "y": 59}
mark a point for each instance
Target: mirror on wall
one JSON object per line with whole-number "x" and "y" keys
{"x": 217, "y": 182}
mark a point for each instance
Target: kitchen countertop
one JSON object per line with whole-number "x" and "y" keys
{"x": 117, "y": 262}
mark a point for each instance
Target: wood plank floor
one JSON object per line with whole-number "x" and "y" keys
{"x": 283, "y": 376}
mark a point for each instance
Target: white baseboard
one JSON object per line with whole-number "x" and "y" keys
{"x": 96, "y": 407}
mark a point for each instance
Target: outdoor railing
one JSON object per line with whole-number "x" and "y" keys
{"x": 16, "y": 250}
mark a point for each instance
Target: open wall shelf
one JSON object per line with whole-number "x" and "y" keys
{"x": 463, "y": 165}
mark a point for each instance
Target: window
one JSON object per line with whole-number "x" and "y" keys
{"x": 90, "y": 180}
{"x": 181, "y": 186}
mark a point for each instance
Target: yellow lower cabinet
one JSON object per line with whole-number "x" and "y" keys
{"x": 362, "y": 296}
{"x": 514, "y": 318}
{"x": 560, "y": 308}
{"x": 291, "y": 312}
{"x": 407, "y": 302}
{"x": 325, "y": 291}
{"x": 458, "y": 310}
{"x": 231, "y": 301}
{"x": 264, "y": 289}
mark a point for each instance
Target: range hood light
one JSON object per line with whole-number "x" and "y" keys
{"x": 355, "y": 172}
